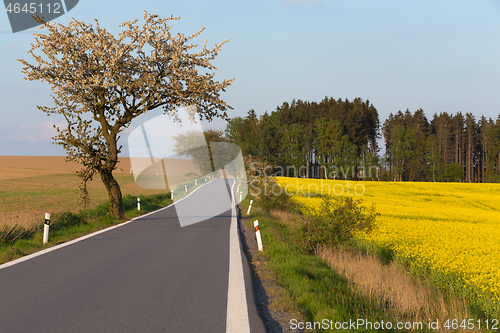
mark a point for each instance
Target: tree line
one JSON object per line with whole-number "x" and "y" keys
{"x": 337, "y": 139}
{"x": 329, "y": 139}
{"x": 449, "y": 147}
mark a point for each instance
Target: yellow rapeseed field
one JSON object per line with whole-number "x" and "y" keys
{"x": 450, "y": 228}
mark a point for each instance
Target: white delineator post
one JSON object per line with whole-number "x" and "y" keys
{"x": 138, "y": 203}
{"x": 46, "y": 228}
{"x": 186, "y": 187}
{"x": 195, "y": 182}
{"x": 172, "y": 194}
{"x": 241, "y": 193}
{"x": 257, "y": 234}
{"x": 249, "y": 207}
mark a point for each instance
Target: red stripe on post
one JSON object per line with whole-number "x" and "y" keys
{"x": 256, "y": 228}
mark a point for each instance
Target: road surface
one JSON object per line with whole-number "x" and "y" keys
{"x": 149, "y": 275}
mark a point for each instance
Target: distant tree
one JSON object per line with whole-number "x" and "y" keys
{"x": 101, "y": 83}
{"x": 361, "y": 123}
{"x": 244, "y": 132}
{"x": 492, "y": 150}
{"x": 370, "y": 163}
{"x": 458, "y": 124}
{"x": 403, "y": 143}
{"x": 350, "y": 160}
{"x": 269, "y": 138}
{"x": 292, "y": 143}
{"x": 417, "y": 164}
{"x": 442, "y": 128}
{"x": 212, "y": 135}
{"x": 471, "y": 140}
{"x": 453, "y": 172}
{"x": 434, "y": 159}
{"x": 398, "y": 119}
{"x": 186, "y": 145}
{"x": 329, "y": 143}
{"x": 481, "y": 150}
{"x": 336, "y": 139}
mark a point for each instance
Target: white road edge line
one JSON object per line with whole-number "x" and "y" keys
{"x": 237, "y": 309}
{"x": 76, "y": 240}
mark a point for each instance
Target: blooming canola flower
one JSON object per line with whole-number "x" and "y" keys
{"x": 450, "y": 228}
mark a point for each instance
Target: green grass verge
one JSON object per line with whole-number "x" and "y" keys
{"x": 318, "y": 291}
{"x": 66, "y": 226}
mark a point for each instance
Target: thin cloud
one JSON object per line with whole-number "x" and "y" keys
{"x": 31, "y": 133}
{"x": 218, "y": 125}
{"x": 11, "y": 46}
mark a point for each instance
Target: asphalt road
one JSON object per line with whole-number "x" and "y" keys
{"x": 149, "y": 275}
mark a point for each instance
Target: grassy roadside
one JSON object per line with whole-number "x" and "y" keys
{"x": 350, "y": 284}
{"x": 66, "y": 226}
{"x": 311, "y": 286}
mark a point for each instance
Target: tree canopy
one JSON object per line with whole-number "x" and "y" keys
{"x": 100, "y": 83}
{"x": 306, "y": 138}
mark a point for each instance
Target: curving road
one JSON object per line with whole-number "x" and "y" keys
{"x": 147, "y": 275}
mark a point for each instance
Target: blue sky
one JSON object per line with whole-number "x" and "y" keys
{"x": 435, "y": 55}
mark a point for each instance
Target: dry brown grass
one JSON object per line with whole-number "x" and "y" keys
{"x": 17, "y": 225}
{"x": 395, "y": 289}
{"x": 284, "y": 216}
{"x": 24, "y": 219}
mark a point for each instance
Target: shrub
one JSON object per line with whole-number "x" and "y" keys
{"x": 129, "y": 202}
{"x": 279, "y": 201}
{"x": 64, "y": 219}
{"x": 260, "y": 176}
{"x": 335, "y": 221}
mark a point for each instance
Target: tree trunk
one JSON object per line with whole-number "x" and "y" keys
{"x": 483, "y": 162}
{"x": 446, "y": 143}
{"x": 469, "y": 157}
{"x": 307, "y": 165}
{"x": 114, "y": 193}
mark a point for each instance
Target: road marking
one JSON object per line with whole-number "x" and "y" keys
{"x": 76, "y": 240}
{"x": 237, "y": 309}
